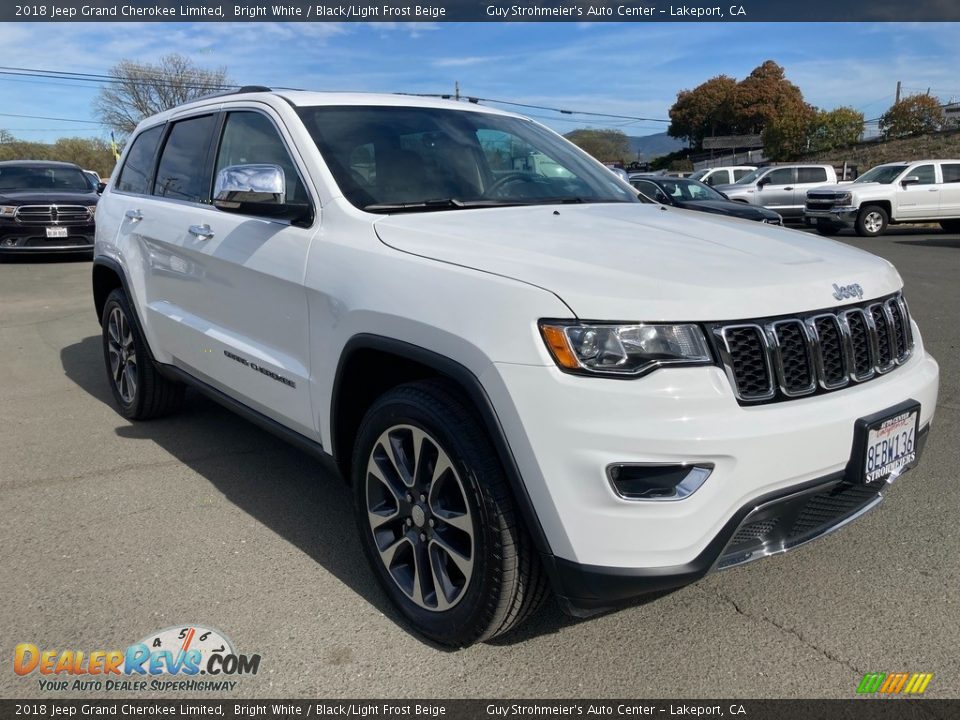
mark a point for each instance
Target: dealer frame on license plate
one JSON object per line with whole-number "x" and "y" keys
{"x": 56, "y": 232}
{"x": 885, "y": 444}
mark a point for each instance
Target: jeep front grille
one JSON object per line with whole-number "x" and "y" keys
{"x": 783, "y": 358}
{"x": 53, "y": 214}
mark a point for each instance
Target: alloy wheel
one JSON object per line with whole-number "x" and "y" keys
{"x": 873, "y": 222}
{"x": 123, "y": 356}
{"x": 418, "y": 513}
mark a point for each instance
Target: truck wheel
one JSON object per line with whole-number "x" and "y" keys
{"x": 951, "y": 226}
{"x": 437, "y": 520}
{"x": 827, "y": 228}
{"x": 140, "y": 391}
{"x": 872, "y": 221}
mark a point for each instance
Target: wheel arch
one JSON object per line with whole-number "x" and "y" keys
{"x": 886, "y": 205}
{"x": 372, "y": 364}
{"x": 107, "y": 276}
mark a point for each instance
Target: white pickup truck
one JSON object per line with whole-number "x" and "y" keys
{"x": 901, "y": 192}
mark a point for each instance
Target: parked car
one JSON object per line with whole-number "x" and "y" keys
{"x": 722, "y": 175}
{"x": 46, "y": 207}
{"x": 919, "y": 191}
{"x": 424, "y": 326}
{"x": 694, "y": 195}
{"x": 780, "y": 187}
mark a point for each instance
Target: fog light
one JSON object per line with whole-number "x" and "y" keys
{"x": 657, "y": 481}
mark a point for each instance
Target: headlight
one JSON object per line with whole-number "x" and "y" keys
{"x": 844, "y": 197}
{"x": 8, "y": 211}
{"x": 623, "y": 349}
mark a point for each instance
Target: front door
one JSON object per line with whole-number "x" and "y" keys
{"x": 920, "y": 199}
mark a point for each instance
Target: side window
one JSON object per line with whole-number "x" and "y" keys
{"x": 951, "y": 173}
{"x": 135, "y": 174}
{"x": 181, "y": 172}
{"x": 811, "y": 175}
{"x": 737, "y": 174}
{"x": 924, "y": 173}
{"x": 781, "y": 176}
{"x": 250, "y": 138}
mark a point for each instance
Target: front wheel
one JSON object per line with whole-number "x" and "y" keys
{"x": 872, "y": 221}
{"x": 437, "y": 519}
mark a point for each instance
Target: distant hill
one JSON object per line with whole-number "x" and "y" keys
{"x": 653, "y": 146}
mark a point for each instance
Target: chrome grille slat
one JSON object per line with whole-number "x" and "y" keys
{"x": 52, "y": 214}
{"x": 787, "y": 358}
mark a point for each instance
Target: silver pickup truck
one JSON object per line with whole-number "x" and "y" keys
{"x": 781, "y": 188}
{"x": 901, "y": 192}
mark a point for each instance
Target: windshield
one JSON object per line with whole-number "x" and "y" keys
{"x": 751, "y": 177}
{"x": 685, "y": 190}
{"x": 389, "y": 159}
{"x": 27, "y": 178}
{"x": 885, "y": 174}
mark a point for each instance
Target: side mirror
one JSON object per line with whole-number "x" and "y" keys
{"x": 910, "y": 180}
{"x": 763, "y": 181}
{"x": 257, "y": 190}
{"x": 101, "y": 186}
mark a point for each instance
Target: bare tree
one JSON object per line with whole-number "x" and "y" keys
{"x": 139, "y": 90}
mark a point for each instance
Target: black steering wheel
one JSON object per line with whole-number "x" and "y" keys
{"x": 512, "y": 178}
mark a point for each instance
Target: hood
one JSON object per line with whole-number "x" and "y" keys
{"x": 727, "y": 207}
{"x": 645, "y": 262}
{"x": 846, "y": 187}
{"x": 8, "y": 197}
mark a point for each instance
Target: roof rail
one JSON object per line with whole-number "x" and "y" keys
{"x": 243, "y": 89}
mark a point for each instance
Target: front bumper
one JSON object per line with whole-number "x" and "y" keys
{"x": 845, "y": 216}
{"x": 565, "y": 430}
{"x": 17, "y": 238}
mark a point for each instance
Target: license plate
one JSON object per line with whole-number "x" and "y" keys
{"x": 56, "y": 232}
{"x": 891, "y": 445}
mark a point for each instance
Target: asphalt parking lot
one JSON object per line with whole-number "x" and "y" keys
{"x": 112, "y": 530}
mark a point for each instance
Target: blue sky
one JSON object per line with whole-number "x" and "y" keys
{"x": 625, "y": 69}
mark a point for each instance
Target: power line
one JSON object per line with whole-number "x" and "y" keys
{"x": 57, "y": 119}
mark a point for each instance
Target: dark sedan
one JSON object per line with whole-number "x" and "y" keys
{"x": 694, "y": 195}
{"x": 46, "y": 207}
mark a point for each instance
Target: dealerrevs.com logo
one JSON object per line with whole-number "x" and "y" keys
{"x": 179, "y": 658}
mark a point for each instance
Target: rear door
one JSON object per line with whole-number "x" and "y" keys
{"x": 919, "y": 200}
{"x": 950, "y": 191}
{"x": 807, "y": 179}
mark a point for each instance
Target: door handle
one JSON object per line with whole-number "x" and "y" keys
{"x": 133, "y": 215}
{"x": 788, "y": 188}
{"x": 201, "y": 232}
{"x": 934, "y": 190}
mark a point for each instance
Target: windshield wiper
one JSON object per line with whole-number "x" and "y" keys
{"x": 442, "y": 204}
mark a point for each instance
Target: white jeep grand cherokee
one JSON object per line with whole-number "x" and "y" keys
{"x": 531, "y": 378}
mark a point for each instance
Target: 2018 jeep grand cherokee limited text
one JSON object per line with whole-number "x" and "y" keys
{"x": 531, "y": 378}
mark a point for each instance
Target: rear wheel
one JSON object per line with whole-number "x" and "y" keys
{"x": 437, "y": 519}
{"x": 139, "y": 390}
{"x": 872, "y": 221}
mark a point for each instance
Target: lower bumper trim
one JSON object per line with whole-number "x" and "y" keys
{"x": 768, "y": 525}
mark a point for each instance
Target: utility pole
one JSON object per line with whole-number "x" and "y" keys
{"x": 898, "y": 93}
{"x": 456, "y": 90}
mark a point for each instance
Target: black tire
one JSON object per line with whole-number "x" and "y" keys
{"x": 139, "y": 390}
{"x": 828, "y": 229}
{"x": 951, "y": 226}
{"x": 872, "y": 221}
{"x": 505, "y": 582}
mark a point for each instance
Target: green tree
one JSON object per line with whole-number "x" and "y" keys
{"x": 139, "y": 90}
{"x": 90, "y": 154}
{"x": 786, "y": 136}
{"x": 913, "y": 115}
{"x": 837, "y": 128}
{"x": 604, "y": 145}
{"x": 705, "y": 111}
